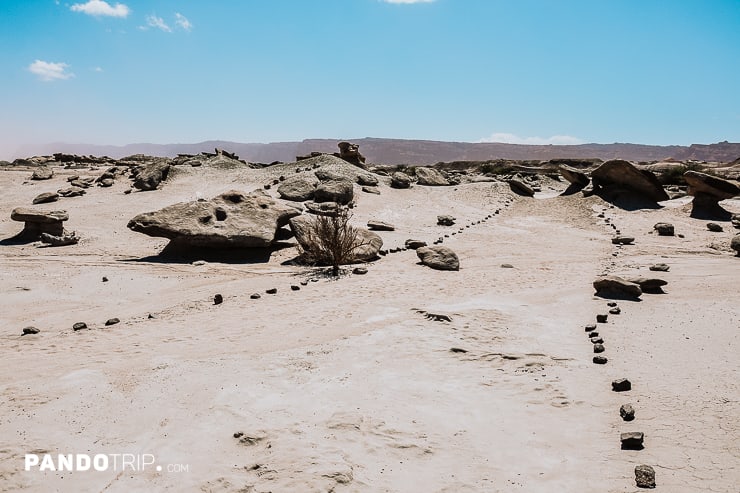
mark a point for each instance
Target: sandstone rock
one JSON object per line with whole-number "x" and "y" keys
{"x": 150, "y": 176}
{"x": 648, "y": 285}
{"x": 707, "y": 191}
{"x": 298, "y": 188}
{"x": 339, "y": 191}
{"x": 714, "y": 227}
{"x": 622, "y": 174}
{"x": 30, "y": 331}
{"x": 79, "y": 326}
{"x": 414, "y": 244}
{"x": 445, "y": 220}
{"x": 627, "y": 412}
{"x": 574, "y": 176}
{"x": 61, "y": 240}
{"x": 521, "y": 188}
{"x": 374, "y": 225}
{"x": 72, "y": 191}
{"x": 660, "y": 267}
{"x": 42, "y": 173}
{"x": 367, "y": 180}
{"x": 46, "y": 197}
{"x": 438, "y": 257}
{"x": 664, "y": 229}
{"x": 38, "y": 222}
{"x": 351, "y": 153}
{"x": 644, "y": 476}
{"x": 430, "y": 177}
{"x": 400, "y": 180}
{"x": 616, "y": 286}
{"x": 371, "y": 190}
{"x": 106, "y": 182}
{"x": 621, "y": 385}
{"x": 231, "y": 220}
{"x": 111, "y": 321}
{"x": 360, "y": 271}
{"x": 632, "y": 441}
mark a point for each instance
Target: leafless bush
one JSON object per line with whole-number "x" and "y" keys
{"x": 331, "y": 240}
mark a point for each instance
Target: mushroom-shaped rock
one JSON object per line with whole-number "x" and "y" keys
{"x": 38, "y": 222}
{"x": 400, "y": 179}
{"x": 438, "y": 257}
{"x": 707, "y": 191}
{"x": 614, "y": 286}
{"x": 229, "y": 220}
{"x": 367, "y": 243}
{"x": 298, "y": 188}
{"x": 521, "y": 188}
{"x": 622, "y": 174}
{"x": 430, "y": 177}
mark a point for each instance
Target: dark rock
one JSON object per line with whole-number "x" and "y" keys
{"x": 596, "y": 340}
{"x": 400, "y": 180}
{"x": 590, "y": 327}
{"x": 72, "y": 191}
{"x": 30, "y": 331}
{"x": 574, "y": 176}
{"x": 271, "y": 291}
{"x": 255, "y": 296}
{"x": 617, "y": 174}
{"x": 63, "y": 240}
{"x": 521, "y": 188}
{"x": 632, "y": 440}
{"x": 374, "y": 225}
{"x": 616, "y": 286}
{"x": 39, "y": 222}
{"x": 599, "y": 348}
{"x": 664, "y": 229}
{"x": 46, "y": 197}
{"x": 79, "y": 326}
{"x": 615, "y": 311}
{"x": 152, "y": 175}
{"x": 106, "y": 182}
{"x": 105, "y": 279}
{"x": 611, "y": 304}
{"x": 218, "y": 299}
{"x": 621, "y": 385}
{"x": 458, "y": 350}
{"x": 644, "y": 476}
{"x": 295, "y": 288}
{"x": 623, "y": 240}
{"x": 714, "y": 227}
{"x": 660, "y": 267}
{"x": 593, "y": 334}
{"x": 360, "y": 271}
{"x": 601, "y": 318}
{"x": 649, "y": 285}
{"x": 600, "y": 360}
{"x": 438, "y": 257}
{"x": 445, "y": 220}
{"x": 627, "y": 412}
{"x": 351, "y": 153}
{"x": 414, "y": 244}
{"x": 111, "y": 321}
{"x": 507, "y": 266}
{"x": 230, "y": 220}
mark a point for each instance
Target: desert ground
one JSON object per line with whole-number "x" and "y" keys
{"x": 405, "y": 379}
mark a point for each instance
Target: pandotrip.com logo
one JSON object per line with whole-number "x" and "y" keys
{"x": 99, "y": 462}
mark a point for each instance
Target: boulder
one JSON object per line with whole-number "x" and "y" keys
{"x": 339, "y": 191}
{"x": 42, "y": 173}
{"x": 664, "y": 229}
{"x": 230, "y": 220}
{"x": 369, "y": 243}
{"x": 374, "y": 225}
{"x": 351, "y": 153}
{"x": 616, "y": 286}
{"x": 298, "y": 188}
{"x": 445, "y": 220}
{"x": 438, "y": 257}
{"x": 46, "y": 197}
{"x": 430, "y": 177}
{"x": 38, "y": 222}
{"x": 150, "y": 176}
{"x": 617, "y": 174}
{"x": 521, "y": 188}
{"x": 574, "y": 176}
{"x": 400, "y": 179}
{"x": 707, "y": 191}
{"x": 648, "y": 285}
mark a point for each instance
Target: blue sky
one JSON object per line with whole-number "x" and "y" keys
{"x": 523, "y": 71}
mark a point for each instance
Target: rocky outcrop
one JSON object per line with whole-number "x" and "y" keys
{"x": 150, "y": 176}
{"x": 339, "y": 191}
{"x": 438, "y": 257}
{"x": 400, "y": 179}
{"x": 617, "y": 175}
{"x": 351, "y": 153}
{"x": 38, "y": 222}
{"x": 230, "y": 220}
{"x": 708, "y": 191}
{"x": 430, "y": 177}
{"x": 521, "y": 188}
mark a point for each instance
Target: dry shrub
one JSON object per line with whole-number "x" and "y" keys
{"x": 331, "y": 240}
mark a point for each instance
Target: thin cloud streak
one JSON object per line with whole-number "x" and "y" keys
{"x": 507, "y": 138}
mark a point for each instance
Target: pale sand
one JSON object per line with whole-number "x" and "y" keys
{"x": 344, "y": 385}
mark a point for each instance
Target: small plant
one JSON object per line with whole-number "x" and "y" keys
{"x": 331, "y": 240}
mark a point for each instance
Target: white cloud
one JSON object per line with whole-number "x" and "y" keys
{"x": 98, "y": 69}
{"x": 101, "y": 8}
{"x": 158, "y": 22}
{"x": 49, "y": 71}
{"x": 505, "y": 138}
{"x": 183, "y": 22}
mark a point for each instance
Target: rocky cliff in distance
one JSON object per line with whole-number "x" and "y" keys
{"x": 397, "y": 151}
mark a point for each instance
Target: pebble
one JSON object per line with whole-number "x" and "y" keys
{"x": 645, "y": 476}
{"x": 599, "y": 348}
{"x": 601, "y": 318}
{"x": 271, "y": 291}
{"x": 112, "y": 321}
{"x": 627, "y": 412}
{"x": 255, "y": 296}
{"x": 632, "y": 440}
{"x": 218, "y": 299}
{"x": 30, "y": 331}
{"x": 600, "y": 360}
{"x": 621, "y": 385}
{"x": 79, "y": 326}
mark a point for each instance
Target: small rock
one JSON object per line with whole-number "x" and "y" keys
{"x": 623, "y": 240}
{"x": 105, "y": 279}
{"x": 295, "y": 288}
{"x": 593, "y": 334}
{"x": 112, "y": 321}
{"x": 590, "y": 327}
{"x": 374, "y": 225}
{"x": 621, "y": 385}
{"x": 30, "y": 331}
{"x": 714, "y": 227}
{"x": 458, "y": 350}
{"x": 627, "y": 412}
{"x": 414, "y": 244}
{"x": 360, "y": 271}
{"x": 600, "y": 360}
{"x": 218, "y": 299}
{"x": 612, "y": 303}
{"x": 255, "y": 296}
{"x": 599, "y": 348}
{"x": 304, "y": 283}
{"x": 601, "y": 318}
{"x": 198, "y": 263}
{"x": 507, "y": 266}
{"x": 79, "y": 326}
{"x": 597, "y": 340}
{"x": 660, "y": 267}
{"x": 445, "y": 220}
{"x": 664, "y": 229}
{"x": 46, "y": 197}
{"x": 632, "y": 440}
{"x": 645, "y": 476}
{"x": 615, "y": 311}
{"x": 150, "y": 316}
{"x": 271, "y": 291}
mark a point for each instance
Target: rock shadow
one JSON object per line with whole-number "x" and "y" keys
{"x": 175, "y": 253}
{"x": 626, "y": 199}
